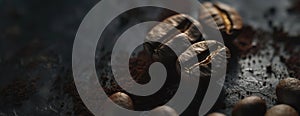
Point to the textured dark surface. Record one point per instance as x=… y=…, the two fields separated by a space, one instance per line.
x=36 y=40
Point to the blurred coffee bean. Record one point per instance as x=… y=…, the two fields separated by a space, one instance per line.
x=228 y=20
x=282 y=110
x=113 y=108
x=295 y=7
x=122 y=100
x=288 y=92
x=13 y=32
x=244 y=42
x=250 y=106
x=293 y=64
x=163 y=111
x=216 y=114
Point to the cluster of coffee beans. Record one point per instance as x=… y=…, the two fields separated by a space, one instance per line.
x=184 y=33
x=123 y=100
x=288 y=92
x=288 y=95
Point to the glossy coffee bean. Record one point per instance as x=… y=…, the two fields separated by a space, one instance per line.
x=282 y=110
x=174 y=25
x=288 y=92
x=178 y=28
x=228 y=20
x=205 y=52
x=250 y=106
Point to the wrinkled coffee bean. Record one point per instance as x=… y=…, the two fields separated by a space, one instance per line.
x=169 y=29
x=216 y=114
x=163 y=111
x=205 y=52
x=167 y=52
x=228 y=21
x=282 y=110
x=288 y=92
x=122 y=100
x=250 y=106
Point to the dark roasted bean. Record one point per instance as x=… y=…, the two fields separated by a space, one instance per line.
x=282 y=110
x=216 y=114
x=228 y=20
x=204 y=52
x=288 y=92
x=163 y=111
x=250 y=106
x=165 y=53
x=122 y=99
x=170 y=28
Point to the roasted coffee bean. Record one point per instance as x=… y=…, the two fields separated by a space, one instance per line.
x=228 y=20
x=163 y=111
x=282 y=110
x=250 y=106
x=205 y=52
x=216 y=114
x=288 y=92
x=122 y=100
x=118 y=99
x=170 y=28
x=196 y=63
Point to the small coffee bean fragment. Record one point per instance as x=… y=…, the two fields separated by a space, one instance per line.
x=250 y=106
x=288 y=92
x=122 y=100
x=244 y=41
x=216 y=114
x=163 y=111
x=282 y=110
x=228 y=20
